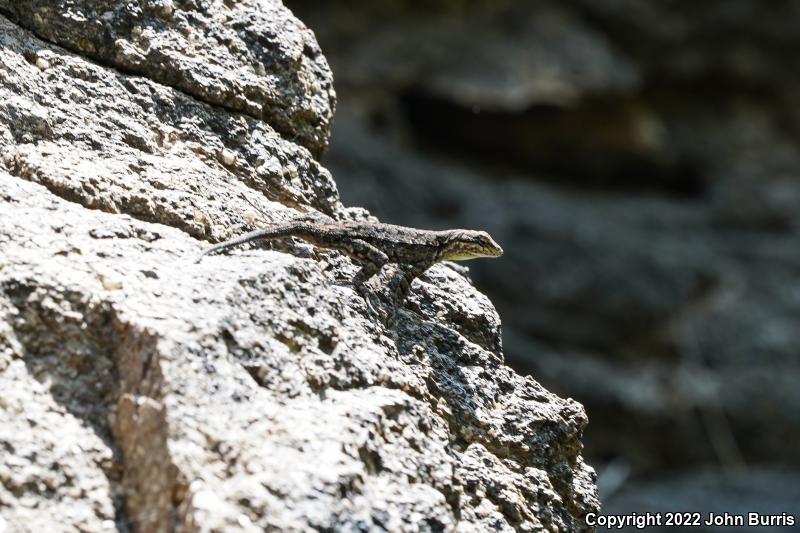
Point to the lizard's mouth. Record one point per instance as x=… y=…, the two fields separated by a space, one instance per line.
x=495 y=252
x=466 y=256
x=462 y=257
x=492 y=250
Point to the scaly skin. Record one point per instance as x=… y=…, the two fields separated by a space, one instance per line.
x=372 y=245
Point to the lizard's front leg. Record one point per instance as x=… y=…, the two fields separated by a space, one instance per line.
x=401 y=284
x=369 y=257
x=371 y=260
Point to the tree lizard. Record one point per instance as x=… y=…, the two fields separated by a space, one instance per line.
x=373 y=245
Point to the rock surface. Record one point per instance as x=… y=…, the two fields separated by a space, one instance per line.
x=248 y=56
x=145 y=392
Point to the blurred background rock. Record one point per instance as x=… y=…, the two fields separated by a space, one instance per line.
x=640 y=164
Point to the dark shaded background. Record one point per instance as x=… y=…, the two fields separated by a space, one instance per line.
x=639 y=162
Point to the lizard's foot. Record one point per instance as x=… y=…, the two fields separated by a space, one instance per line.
x=392 y=318
x=368 y=301
x=399 y=288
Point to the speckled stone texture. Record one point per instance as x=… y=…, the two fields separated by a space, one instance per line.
x=142 y=391
x=250 y=56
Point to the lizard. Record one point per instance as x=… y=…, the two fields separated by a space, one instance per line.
x=373 y=245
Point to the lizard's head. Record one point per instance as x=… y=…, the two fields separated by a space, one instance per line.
x=463 y=244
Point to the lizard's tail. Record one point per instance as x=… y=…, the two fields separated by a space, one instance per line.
x=271 y=232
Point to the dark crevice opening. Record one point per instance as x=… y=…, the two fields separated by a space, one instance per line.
x=600 y=143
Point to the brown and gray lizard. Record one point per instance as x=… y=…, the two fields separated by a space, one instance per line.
x=373 y=245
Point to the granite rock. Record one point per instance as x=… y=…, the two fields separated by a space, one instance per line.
x=250 y=56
